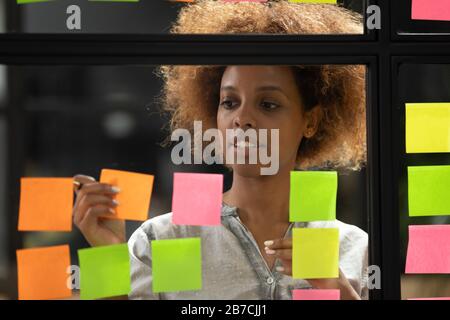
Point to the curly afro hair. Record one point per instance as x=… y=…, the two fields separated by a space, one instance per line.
x=192 y=92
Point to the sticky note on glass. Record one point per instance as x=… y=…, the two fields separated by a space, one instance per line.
x=113 y=0
x=427 y=127
x=312 y=196
x=430 y=10
x=315 y=253
x=42 y=273
x=45 y=204
x=316 y=294
x=429 y=190
x=134 y=196
x=176 y=264
x=437 y=298
x=428 y=249
x=197 y=199
x=31 y=1
x=104 y=271
x=314 y=1
x=244 y=1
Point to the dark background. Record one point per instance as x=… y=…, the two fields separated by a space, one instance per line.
x=143 y=17
x=79 y=119
x=420 y=83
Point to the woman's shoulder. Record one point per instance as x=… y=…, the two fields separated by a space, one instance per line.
x=160 y=222
x=162 y=227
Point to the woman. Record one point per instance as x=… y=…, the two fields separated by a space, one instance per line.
x=320 y=114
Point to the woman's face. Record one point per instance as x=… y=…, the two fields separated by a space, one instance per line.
x=263 y=97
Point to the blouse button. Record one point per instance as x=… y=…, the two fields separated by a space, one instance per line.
x=269 y=280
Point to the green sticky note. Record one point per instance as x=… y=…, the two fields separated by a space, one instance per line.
x=114 y=0
x=429 y=191
x=104 y=271
x=31 y=1
x=176 y=264
x=312 y=196
x=315 y=253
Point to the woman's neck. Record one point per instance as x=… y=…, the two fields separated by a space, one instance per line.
x=263 y=199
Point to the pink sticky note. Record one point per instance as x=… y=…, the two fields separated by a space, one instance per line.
x=244 y=0
x=440 y=298
x=431 y=10
x=316 y=294
x=197 y=199
x=428 y=249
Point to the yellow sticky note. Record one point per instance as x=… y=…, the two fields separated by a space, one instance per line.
x=46 y=204
x=315 y=253
x=427 y=127
x=43 y=272
x=134 y=196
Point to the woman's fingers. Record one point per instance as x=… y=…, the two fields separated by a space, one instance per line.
x=95 y=200
x=92 y=200
x=286 y=267
x=282 y=250
x=92 y=214
x=97 y=187
x=86 y=202
x=283 y=254
x=279 y=244
x=81 y=180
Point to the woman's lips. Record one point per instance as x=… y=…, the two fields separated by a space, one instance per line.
x=245 y=145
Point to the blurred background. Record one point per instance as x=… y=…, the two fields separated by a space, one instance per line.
x=63 y=120
x=66 y=120
x=57 y=121
x=143 y=17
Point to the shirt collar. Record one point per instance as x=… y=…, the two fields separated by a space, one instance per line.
x=228 y=210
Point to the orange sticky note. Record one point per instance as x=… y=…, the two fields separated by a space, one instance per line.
x=42 y=273
x=134 y=196
x=46 y=204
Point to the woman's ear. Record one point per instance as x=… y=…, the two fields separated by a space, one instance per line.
x=313 y=119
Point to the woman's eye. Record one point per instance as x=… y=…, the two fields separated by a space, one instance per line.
x=269 y=105
x=227 y=104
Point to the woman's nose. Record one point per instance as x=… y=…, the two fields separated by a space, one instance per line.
x=244 y=119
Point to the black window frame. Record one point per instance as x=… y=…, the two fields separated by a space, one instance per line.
x=401 y=9
x=380 y=50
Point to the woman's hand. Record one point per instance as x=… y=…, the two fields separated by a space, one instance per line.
x=282 y=249
x=94 y=199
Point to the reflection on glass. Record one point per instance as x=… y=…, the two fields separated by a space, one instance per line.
x=4 y=263
x=406 y=25
x=3 y=84
x=2 y=17
x=154 y=17
x=83 y=119
x=420 y=83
